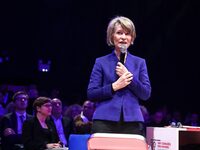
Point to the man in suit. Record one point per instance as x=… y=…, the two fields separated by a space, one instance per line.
x=64 y=125
x=11 y=123
x=83 y=121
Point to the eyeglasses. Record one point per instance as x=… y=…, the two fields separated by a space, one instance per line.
x=21 y=99
x=47 y=105
x=57 y=104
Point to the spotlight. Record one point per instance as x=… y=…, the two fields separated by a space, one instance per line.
x=44 y=67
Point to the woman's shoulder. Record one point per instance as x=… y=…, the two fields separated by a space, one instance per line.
x=105 y=57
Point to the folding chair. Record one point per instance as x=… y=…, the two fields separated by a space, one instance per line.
x=78 y=141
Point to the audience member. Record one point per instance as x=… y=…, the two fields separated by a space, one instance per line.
x=83 y=121
x=39 y=132
x=73 y=110
x=166 y=113
x=63 y=124
x=3 y=110
x=11 y=123
x=192 y=119
x=10 y=106
x=176 y=117
x=157 y=120
x=33 y=94
x=145 y=114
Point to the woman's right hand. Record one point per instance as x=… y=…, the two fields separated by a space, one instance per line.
x=123 y=81
x=53 y=145
x=8 y=131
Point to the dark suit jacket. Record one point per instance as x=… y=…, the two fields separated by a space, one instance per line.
x=68 y=126
x=34 y=137
x=10 y=121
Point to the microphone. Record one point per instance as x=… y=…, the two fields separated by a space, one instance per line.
x=179 y=125
x=176 y=125
x=123 y=50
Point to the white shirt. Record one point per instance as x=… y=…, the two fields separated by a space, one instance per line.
x=85 y=119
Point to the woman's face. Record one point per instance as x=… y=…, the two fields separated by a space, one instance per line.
x=121 y=37
x=45 y=109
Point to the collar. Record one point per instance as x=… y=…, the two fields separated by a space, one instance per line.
x=59 y=118
x=18 y=114
x=84 y=118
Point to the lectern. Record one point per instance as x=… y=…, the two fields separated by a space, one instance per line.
x=169 y=138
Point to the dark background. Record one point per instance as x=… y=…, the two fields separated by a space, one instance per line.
x=72 y=34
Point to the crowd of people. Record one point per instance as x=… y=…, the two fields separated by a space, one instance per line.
x=41 y=122
x=47 y=123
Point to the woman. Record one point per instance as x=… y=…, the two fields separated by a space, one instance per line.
x=39 y=133
x=118 y=86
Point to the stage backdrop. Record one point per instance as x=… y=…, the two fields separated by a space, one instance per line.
x=71 y=34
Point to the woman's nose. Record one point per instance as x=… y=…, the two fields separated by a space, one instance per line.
x=123 y=36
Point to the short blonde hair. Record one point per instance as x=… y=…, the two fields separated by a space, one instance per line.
x=126 y=24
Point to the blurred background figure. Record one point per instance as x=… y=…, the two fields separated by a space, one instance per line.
x=9 y=104
x=83 y=121
x=11 y=123
x=33 y=93
x=176 y=117
x=145 y=114
x=63 y=124
x=73 y=110
x=157 y=120
x=192 y=119
x=3 y=110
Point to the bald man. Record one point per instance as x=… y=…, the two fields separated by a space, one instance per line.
x=64 y=125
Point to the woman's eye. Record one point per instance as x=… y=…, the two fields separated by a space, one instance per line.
x=119 y=33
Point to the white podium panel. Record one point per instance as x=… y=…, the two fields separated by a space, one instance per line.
x=111 y=141
x=167 y=138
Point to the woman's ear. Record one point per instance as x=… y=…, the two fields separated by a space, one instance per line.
x=38 y=108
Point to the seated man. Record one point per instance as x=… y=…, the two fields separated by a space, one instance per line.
x=83 y=121
x=64 y=125
x=11 y=123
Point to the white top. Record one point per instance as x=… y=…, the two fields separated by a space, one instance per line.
x=114 y=135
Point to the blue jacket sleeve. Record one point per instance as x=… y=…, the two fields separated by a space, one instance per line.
x=96 y=90
x=141 y=86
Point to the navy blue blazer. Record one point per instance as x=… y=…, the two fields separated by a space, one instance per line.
x=10 y=121
x=110 y=104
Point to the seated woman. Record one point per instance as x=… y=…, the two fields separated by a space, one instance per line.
x=39 y=133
